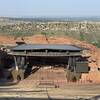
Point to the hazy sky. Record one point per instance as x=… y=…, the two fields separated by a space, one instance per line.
x=52 y=8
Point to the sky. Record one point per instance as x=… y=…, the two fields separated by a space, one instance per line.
x=49 y=8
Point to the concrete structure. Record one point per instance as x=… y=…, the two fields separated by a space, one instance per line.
x=68 y=56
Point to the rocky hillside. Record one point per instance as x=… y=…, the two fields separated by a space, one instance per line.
x=81 y=30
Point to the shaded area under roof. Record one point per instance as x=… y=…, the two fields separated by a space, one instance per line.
x=46 y=47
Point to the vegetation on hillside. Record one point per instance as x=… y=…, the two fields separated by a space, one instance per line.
x=83 y=30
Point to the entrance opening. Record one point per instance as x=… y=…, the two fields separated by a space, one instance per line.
x=47 y=71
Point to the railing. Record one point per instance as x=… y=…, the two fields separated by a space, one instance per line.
x=45 y=53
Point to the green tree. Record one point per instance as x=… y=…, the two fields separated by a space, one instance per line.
x=45 y=34
x=82 y=37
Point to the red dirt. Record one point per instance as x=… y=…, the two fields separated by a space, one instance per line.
x=7 y=40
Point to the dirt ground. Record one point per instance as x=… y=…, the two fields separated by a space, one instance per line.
x=31 y=89
x=70 y=91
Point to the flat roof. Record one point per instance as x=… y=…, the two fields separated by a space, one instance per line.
x=26 y=47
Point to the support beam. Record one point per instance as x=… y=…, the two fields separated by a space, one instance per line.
x=71 y=73
x=16 y=66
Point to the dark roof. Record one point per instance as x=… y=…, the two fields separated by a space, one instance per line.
x=46 y=46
